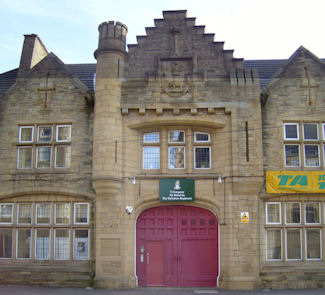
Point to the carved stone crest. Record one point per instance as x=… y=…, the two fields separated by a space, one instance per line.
x=176 y=88
x=176 y=77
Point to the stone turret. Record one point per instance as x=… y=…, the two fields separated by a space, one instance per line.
x=110 y=57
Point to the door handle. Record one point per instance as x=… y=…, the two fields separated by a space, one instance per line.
x=147 y=257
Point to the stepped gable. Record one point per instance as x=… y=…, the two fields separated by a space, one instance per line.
x=175 y=37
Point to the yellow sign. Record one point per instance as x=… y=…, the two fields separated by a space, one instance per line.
x=244 y=217
x=295 y=182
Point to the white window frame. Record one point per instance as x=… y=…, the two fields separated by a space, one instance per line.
x=12 y=213
x=266 y=212
x=151 y=141
x=319 y=213
x=35 y=244
x=285 y=155
x=69 y=243
x=284 y=131
x=306 y=157
x=55 y=213
x=30 y=243
x=38 y=133
x=177 y=146
x=176 y=142
x=323 y=130
x=205 y=133
x=31 y=212
x=266 y=244
x=286 y=244
x=25 y=141
x=57 y=133
x=31 y=161
x=286 y=207
x=147 y=146
x=74 y=245
x=12 y=243
x=74 y=213
x=320 y=245
x=303 y=130
x=55 y=152
x=206 y=147
x=41 y=146
x=36 y=210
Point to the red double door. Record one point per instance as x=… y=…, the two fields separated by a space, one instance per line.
x=177 y=246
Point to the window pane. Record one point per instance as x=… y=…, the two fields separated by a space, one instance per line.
x=62 y=213
x=26 y=134
x=63 y=133
x=293 y=213
x=202 y=137
x=80 y=249
x=310 y=131
x=273 y=213
x=151 y=137
x=273 y=244
x=62 y=244
x=176 y=136
x=23 y=243
x=312 y=212
x=202 y=157
x=5 y=243
x=176 y=157
x=313 y=244
x=293 y=244
x=42 y=241
x=25 y=157
x=312 y=155
x=151 y=157
x=24 y=214
x=44 y=134
x=291 y=131
x=6 y=212
x=44 y=157
x=292 y=157
x=81 y=213
x=62 y=156
x=43 y=213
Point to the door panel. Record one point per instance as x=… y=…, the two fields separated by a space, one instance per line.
x=155 y=262
x=182 y=244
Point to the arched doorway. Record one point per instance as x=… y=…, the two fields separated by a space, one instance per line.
x=177 y=246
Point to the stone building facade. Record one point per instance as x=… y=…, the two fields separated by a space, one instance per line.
x=158 y=165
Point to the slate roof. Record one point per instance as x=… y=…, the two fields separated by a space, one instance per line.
x=85 y=72
x=266 y=68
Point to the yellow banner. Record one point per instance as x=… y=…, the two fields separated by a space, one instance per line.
x=295 y=182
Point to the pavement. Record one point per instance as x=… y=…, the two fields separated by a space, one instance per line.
x=34 y=290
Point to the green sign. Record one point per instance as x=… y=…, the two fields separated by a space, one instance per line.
x=176 y=189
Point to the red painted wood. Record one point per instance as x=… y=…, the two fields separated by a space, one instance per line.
x=184 y=243
x=155 y=263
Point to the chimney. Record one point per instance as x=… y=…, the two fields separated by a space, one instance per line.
x=32 y=53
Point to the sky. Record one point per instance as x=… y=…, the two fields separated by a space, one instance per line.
x=255 y=29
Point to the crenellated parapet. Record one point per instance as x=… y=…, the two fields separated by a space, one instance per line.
x=112 y=37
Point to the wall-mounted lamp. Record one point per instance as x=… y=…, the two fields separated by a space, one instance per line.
x=133 y=180
x=219 y=178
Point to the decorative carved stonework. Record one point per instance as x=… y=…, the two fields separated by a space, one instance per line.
x=176 y=88
x=176 y=76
